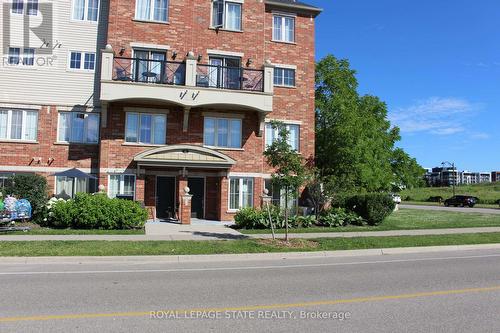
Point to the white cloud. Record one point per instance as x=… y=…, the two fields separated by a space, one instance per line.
x=436 y=115
x=480 y=136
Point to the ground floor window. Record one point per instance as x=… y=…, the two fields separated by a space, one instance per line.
x=240 y=193
x=67 y=187
x=121 y=186
x=278 y=195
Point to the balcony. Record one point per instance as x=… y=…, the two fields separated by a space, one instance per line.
x=187 y=83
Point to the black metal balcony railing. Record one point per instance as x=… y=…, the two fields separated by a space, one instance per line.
x=234 y=78
x=149 y=71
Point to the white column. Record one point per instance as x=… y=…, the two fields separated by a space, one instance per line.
x=107 y=56
x=191 y=64
x=268 y=77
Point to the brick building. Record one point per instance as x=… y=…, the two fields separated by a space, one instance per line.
x=183 y=92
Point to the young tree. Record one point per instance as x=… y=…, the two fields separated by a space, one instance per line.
x=289 y=170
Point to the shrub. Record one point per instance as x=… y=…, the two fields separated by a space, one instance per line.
x=251 y=218
x=95 y=211
x=338 y=217
x=373 y=207
x=33 y=188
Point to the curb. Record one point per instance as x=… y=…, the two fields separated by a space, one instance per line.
x=243 y=257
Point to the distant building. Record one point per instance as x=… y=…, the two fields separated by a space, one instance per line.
x=448 y=176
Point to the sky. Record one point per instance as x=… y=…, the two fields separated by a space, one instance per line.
x=436 y=63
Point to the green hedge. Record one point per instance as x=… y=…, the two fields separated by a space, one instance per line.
x=96 y=211
x=372 y=207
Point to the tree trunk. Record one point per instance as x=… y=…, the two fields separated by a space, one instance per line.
x=271 y=221
x=286 y=214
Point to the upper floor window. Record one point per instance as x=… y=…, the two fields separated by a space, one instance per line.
x=284 y=28
x=152 y=10
x=284 y=77
x=85 y=10
x=146 y=128
x=293 y=135
x=25 y=58
x=222 y=132
x=78 y=127
x=17 y=6
x=82 y=60
x=18 y=125
x=31 y=7
x=226 y=15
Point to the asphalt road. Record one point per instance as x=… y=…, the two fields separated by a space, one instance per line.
x=432 y=292
x=454 y=209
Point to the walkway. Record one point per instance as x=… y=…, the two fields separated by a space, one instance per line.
x=453 y=209
x=179 y=232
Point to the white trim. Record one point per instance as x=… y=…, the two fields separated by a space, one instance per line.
x=249 y=175
x=18 y=168
x=27 y=107
x=159 y=47
x=285 y=66
x=285 y=121
x=145 y=110
x=225 y=53
x=282 y=13
x=78 y=108
x=223 y=115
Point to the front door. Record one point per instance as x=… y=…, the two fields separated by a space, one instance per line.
x=197 y=190
x=165 y=197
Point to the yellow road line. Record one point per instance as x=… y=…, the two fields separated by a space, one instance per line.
x=256 y=307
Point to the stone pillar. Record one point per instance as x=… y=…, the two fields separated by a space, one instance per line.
x=268 y=77
x=191 y=64
x=265 y=198
x=184 y=201
x=107 y=56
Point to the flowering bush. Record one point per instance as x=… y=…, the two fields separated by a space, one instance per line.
x=10 y=203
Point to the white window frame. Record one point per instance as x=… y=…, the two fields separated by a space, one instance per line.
x=282 y=38
x=82 y=61
x=21 y=57
x=152 y=12
x=122 y=184
x=216 y=143
x=139 y=114
x=85 y=12
x=23 y=124
x=22 y=8
x=85 y=127
x=240 y=193
x=276 y=133
x=224 y=16
x=282 y=84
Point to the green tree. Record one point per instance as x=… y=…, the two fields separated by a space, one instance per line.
x=290 y=172
x=407 y=172
x=355 y=141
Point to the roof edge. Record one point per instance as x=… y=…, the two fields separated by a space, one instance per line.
x=315 y=10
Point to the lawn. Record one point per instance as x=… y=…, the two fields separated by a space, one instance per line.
x=128 y=248
x=487 y=193
x=47 y=231
x=410 y=219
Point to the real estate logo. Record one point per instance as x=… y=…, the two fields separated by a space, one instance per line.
x=28 y=26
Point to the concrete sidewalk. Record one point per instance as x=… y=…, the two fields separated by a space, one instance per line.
x=224 y=233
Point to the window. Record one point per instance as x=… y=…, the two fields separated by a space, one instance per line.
x=18 y=125
x=226 y=14
x=149 y=65
x=121 y=186
x=82 y=61
x=85 y=10
x=240 y=193
x=6 y=178
x=293 y=135
x=17 y=6
x=32 y=8
x=224 y=72
x=222 y=132
x=14 y=55
x=78 y=127
x=284 y=28
x=66 y=187
x=284 y=77
x=146 y=128
x=278 y=196
x=152 y=10
x=27 y=58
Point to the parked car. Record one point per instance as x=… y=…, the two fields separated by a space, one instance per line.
x=396 y=198
x=461 y=200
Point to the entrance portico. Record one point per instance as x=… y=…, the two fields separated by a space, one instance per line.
x=184 y=181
